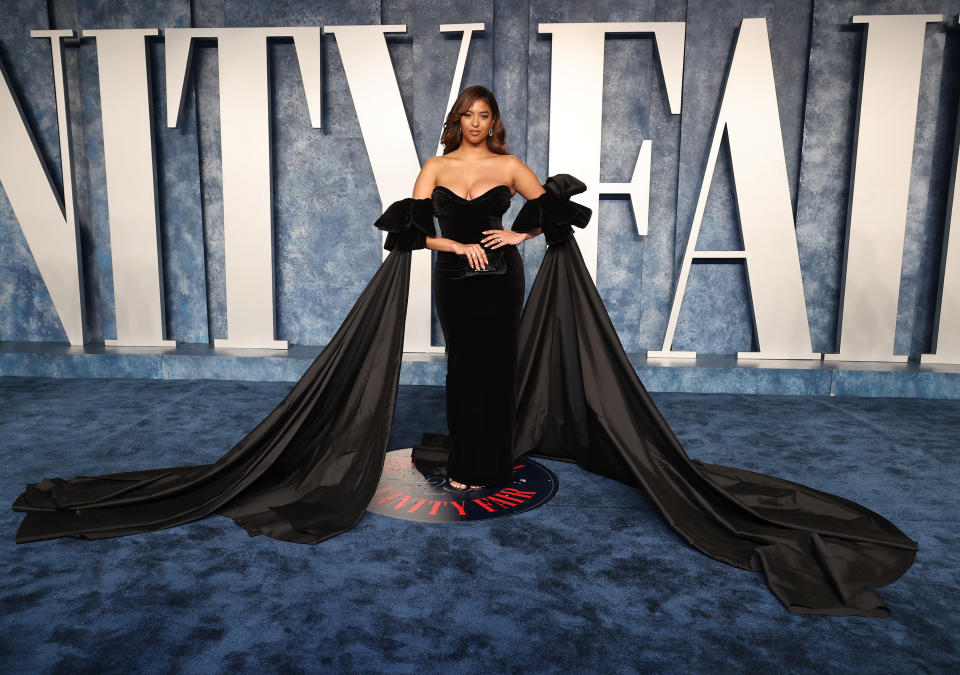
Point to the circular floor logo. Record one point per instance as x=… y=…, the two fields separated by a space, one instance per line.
x=407 y=494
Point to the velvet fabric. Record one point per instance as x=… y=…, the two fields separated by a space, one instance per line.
x=553 y=212
x=407 y=222
x=480 y=318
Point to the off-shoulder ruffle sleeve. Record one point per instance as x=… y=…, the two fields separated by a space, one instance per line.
x=553 y=212
x=408 y=223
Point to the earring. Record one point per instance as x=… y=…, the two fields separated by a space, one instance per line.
x=490 y=133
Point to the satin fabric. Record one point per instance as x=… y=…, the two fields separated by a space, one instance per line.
x=308 y=470
x=579 y=399
x=304 y=474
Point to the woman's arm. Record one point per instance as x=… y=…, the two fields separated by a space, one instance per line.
x=423 y=189
x=526 y=183
x=427 y=179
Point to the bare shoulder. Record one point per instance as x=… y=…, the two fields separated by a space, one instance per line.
x=511 y=161
x=514 y=166
x=525 y=181
x=433 y=164
x=427 y=179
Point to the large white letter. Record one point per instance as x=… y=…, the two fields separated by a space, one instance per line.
x=131 y=185
x=467 y=29
x=389 y=142
x=751 y=117
x=245 y=150
x=576 y=99
x=946 y=336
x=889 y=90
x=49 y=227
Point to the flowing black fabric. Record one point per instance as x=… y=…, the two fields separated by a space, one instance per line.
x=480 y=318
x=307 y=472
x=579 y=399
x=304 y=474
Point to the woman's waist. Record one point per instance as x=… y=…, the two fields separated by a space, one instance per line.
x=467 y=233
x=450 y=260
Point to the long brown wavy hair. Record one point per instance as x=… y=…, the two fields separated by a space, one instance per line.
x=497 y=143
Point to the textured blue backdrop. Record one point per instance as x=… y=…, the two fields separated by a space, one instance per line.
x=325 y=198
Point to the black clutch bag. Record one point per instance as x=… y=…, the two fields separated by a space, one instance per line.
x=496 y=265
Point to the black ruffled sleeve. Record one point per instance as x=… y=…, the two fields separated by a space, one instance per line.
x=553 y=212
x=407 y=223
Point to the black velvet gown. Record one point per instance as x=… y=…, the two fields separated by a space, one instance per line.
x=480 y=317
x=307 y=472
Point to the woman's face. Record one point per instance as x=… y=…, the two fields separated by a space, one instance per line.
x=475 y=123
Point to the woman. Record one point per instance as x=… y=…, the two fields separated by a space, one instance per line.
x=308 y=471
x=471 y=185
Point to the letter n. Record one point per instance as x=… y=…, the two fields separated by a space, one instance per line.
x=48 y=225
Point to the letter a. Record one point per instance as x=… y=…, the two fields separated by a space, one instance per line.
x=750 y=116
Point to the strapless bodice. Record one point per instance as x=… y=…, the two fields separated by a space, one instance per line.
x=464 y=220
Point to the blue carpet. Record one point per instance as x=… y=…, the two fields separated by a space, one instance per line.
x=593 y=581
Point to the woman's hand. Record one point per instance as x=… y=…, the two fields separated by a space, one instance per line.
x=476 y=255
x=498 y=238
